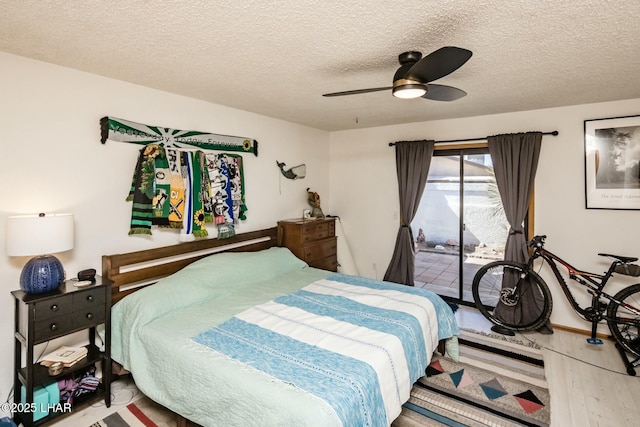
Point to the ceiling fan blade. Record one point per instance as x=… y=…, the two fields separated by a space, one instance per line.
x=443 y=93
x=438 y=64
x=357 y=91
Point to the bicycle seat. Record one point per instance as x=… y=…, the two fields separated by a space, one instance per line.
x=625 y=259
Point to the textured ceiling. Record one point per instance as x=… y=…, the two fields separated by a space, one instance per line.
x=278 y=57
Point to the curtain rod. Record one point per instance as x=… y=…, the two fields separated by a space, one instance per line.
x=554 y=133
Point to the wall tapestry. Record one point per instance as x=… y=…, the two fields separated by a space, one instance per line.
x=126 y=131
x=185 y=190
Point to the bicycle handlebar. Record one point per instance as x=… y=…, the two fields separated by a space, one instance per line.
x=538 y=241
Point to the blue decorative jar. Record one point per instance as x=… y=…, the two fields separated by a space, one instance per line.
x=42 y=274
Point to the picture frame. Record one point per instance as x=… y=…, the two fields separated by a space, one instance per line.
x=612 y=163
x=306 y=214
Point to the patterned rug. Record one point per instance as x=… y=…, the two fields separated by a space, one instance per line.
x=514 y=341
x=495 y=382
x=141 y=413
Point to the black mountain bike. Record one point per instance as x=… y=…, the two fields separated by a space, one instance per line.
x=513 y=296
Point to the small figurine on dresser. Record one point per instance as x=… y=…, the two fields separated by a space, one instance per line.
x=314 y=201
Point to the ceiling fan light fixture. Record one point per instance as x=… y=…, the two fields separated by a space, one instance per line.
x=407 y=89
x=415 y=77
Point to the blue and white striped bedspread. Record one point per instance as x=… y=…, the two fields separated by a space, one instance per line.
x=356 y=343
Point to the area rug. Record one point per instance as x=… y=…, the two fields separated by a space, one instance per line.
x=495 y=383
x=141 y=413
x=494 y=337
x=505 y=355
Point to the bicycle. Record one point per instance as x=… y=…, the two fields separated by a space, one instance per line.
x=513 y=296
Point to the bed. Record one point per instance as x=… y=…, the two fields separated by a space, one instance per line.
x=254 y=336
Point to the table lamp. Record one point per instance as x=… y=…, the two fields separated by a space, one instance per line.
x=41 y=235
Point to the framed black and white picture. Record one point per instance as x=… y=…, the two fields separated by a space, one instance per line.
x=612 y=163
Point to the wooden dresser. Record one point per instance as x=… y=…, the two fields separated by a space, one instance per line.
x=312 y=240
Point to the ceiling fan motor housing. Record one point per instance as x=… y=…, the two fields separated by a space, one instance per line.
x=407 y=60
x=409 y=57
x=402 y=86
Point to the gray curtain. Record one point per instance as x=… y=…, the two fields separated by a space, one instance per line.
x=412 y=166
x=515 y=160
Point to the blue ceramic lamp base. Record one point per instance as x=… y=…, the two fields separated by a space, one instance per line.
x=42 y=274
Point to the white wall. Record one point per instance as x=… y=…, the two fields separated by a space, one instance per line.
x=52 y=161
x=364 y=189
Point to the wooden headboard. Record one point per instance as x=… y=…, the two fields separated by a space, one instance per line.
x=133 y=270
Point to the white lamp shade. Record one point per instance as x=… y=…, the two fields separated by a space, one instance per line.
x=39 y=234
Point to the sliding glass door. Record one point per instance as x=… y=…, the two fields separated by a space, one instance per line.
x=460 y=224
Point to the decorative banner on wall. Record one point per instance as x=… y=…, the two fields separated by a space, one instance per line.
x=185 y=190
x=126 y=131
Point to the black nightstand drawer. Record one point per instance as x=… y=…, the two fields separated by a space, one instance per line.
x=52 y=308
x=52 y=327
x=87 y=318
x=91 y=298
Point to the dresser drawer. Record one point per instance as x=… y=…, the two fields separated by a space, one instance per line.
x=52 y=327
x=321 y=249
x=52 y=308
x=89 y=298
x=90 y=316
x=329 y=263
x=317 y=231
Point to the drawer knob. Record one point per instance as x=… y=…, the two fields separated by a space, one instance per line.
x=54 y=307
x=89 y=316
x=53 y=326
x=90 y=298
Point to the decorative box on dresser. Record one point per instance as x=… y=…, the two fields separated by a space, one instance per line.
x=43 y=317
x=312 y=240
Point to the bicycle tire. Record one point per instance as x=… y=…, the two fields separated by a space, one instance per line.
x=626 y=333
x=486 y=288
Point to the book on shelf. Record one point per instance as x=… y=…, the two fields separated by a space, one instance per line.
x=67 y=355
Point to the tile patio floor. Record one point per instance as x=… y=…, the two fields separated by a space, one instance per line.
x=439 y=271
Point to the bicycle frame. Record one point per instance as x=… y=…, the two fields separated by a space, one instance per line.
x=594 y=283
x=621 y=311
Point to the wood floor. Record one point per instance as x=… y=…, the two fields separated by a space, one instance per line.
x=589 y=385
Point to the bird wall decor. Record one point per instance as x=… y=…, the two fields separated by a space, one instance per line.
x=296 y=172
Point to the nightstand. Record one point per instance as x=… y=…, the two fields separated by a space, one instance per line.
x=43 y=317
x=312 y=240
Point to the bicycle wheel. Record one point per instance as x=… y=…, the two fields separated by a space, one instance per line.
x=624 y=318
x=526 y=308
